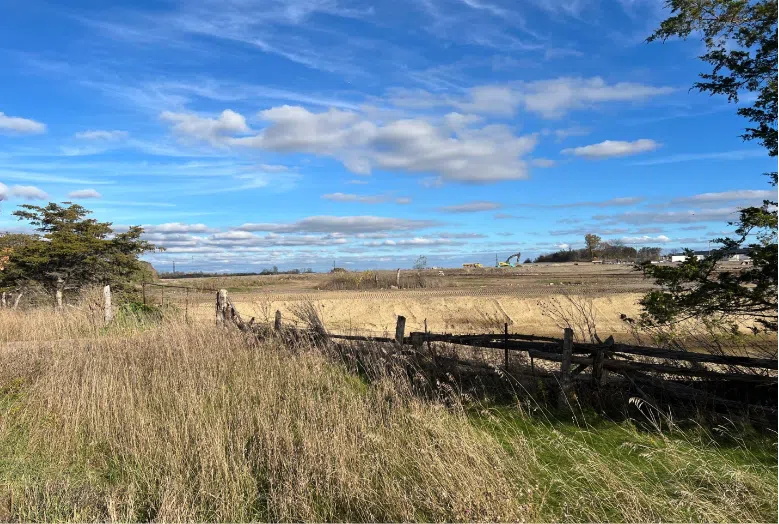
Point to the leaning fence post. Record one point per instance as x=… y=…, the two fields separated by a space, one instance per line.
x=221 y=306
x=277 y=321
x=506 y=346
x=108 y=313
x=565 y=365
x=400 y=328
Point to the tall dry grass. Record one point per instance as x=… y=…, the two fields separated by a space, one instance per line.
x=192 y=422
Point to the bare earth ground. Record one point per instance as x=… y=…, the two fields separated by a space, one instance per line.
x=460 y=301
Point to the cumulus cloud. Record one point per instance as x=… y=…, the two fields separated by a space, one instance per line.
x=470 y=154
x=15 y=124
x=211 y=130
x=84 y=193
x=613 y=148
x=471 y=207
x=335 y=224
x=102 y=134
x=24 y=192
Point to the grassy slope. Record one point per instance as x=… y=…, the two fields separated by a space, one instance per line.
x=187 y=423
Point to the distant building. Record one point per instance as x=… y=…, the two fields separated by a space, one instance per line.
x=681 y=257
x=737 y=255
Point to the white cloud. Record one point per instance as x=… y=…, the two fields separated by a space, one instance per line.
x=470 y=154
x=471 y=207
x=550 y=99
x=211 y=130
x=728 y=196
x=335 y=224
x=15 y=124
x=176 y=227
x=348 y=197
x=101 y=134
x=416 y=241
x=554 y=98
x=84 y=193
x=612 y=202
x=645 y=239
x=670 y=217
x=24 y=192
x=364 y=199
x=613 y=148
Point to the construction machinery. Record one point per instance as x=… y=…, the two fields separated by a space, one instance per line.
x=508 y=263
x=473 y=264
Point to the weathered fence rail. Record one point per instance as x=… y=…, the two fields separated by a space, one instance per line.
x=654 y=365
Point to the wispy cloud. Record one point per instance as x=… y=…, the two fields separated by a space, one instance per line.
x=742 y=154
x=84 y=194
x=471 y=207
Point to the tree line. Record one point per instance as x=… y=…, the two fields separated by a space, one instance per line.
x=604 y=250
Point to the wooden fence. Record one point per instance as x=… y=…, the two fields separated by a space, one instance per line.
x=573 y=357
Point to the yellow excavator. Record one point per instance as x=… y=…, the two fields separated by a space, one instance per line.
x=508 y=263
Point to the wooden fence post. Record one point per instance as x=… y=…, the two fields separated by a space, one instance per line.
x=221 y=306
x=417 y=339
x=108 y=314
x=277 y=321
x=400 y=328
x=597 y=363
x=506 y=346
x=397 y=279
x=5 y=304
x=143 y=288
x=565 y=365
x=597 y=367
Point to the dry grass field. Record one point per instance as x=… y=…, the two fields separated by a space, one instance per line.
x=460 y=301
x=156 y=418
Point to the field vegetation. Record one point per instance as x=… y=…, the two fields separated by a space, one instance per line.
x=155 y=418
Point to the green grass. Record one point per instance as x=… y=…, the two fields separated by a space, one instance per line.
x=663 y=463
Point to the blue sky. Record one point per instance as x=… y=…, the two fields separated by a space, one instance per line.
x=244 y=134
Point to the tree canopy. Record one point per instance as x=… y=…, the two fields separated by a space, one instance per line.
x=741 y=46
x=70 y=250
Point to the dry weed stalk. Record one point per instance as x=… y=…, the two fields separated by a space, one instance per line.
x=574 y=312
